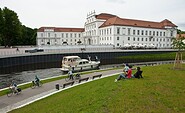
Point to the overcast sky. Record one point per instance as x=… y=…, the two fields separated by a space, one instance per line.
x=72 y=13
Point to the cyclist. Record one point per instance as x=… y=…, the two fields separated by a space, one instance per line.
x=14 y=87
x=70 y=73
x=37 y=80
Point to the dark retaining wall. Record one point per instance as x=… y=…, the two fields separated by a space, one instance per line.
x=41 y=61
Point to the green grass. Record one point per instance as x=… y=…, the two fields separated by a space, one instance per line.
x=161 y=91
x=150 y=57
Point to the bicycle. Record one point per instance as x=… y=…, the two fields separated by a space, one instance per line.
x=34 y=84
x=12 y=91
x=73 y=77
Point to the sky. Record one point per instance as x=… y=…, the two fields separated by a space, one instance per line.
x=73 y=13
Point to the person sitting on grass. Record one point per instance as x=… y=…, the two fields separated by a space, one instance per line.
x=126 y=75
x=138 y=73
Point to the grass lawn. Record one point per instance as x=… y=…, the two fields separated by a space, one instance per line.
x=161 y=91
x=154 y=57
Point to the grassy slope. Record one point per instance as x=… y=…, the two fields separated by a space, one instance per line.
x=149 y=57
x=161 y=90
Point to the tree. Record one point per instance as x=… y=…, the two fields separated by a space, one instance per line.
x=11 y=28
x=28 y=36
x=180 y=32
x=179 y=45
x=1 y=26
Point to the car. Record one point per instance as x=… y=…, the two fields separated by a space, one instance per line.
x=34 y=50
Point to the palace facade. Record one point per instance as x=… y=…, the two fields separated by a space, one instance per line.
x=108 y=29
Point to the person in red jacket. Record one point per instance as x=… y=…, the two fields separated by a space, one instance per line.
x=126 y=75
x=129 y=73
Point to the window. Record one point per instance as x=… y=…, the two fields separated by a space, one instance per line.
x=160 y=33
x=146 y=32
x=48 y=34
x=150 y=39
x=150 y=33
x=142 y=32
x=153 y=33
x=146 y=39
x=79 y=35
x=171 y=33
x=138 y=32
x=134 y=39
x=128 y=31
x=117 y=44
x=75 y=34
x=71 y=35
x=138 y=39
x=128 y=38
x=117 y=38
x=157 y=33
x=141 y=39
x=41 y=35
x=134 y=32
x=62 y=35
x=118 y=30
x=164 y=34
x=66 y=35
x=110 y=30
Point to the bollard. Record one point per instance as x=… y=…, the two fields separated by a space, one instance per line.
x=57 y=86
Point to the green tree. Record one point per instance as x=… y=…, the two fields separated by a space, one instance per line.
x=12 y=27
x=180 y=46
x=1 y=26
x=28 y=36
x=180 y=32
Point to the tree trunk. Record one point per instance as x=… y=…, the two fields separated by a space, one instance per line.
x=178 y=61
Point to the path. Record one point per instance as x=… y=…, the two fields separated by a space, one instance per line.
x=28 y=95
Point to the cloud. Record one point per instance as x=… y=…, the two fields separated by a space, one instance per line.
x=181 y=26
x=117 y=1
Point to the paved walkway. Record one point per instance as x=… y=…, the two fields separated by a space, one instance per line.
x=30 y=95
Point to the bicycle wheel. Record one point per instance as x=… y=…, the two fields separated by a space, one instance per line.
x=77 y=76
x=9 y=93
x=33 y=85
x=67 y=79
x=40 y=84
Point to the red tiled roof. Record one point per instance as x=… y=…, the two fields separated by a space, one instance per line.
x=166 y=22
x=58 y=29
x=181 y=35
x=137 y=23
x=104 y=16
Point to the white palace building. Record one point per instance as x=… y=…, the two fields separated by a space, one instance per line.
x=108 y=29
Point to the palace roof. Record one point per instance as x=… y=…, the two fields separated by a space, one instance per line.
x=115 y=20
x=59 y=29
